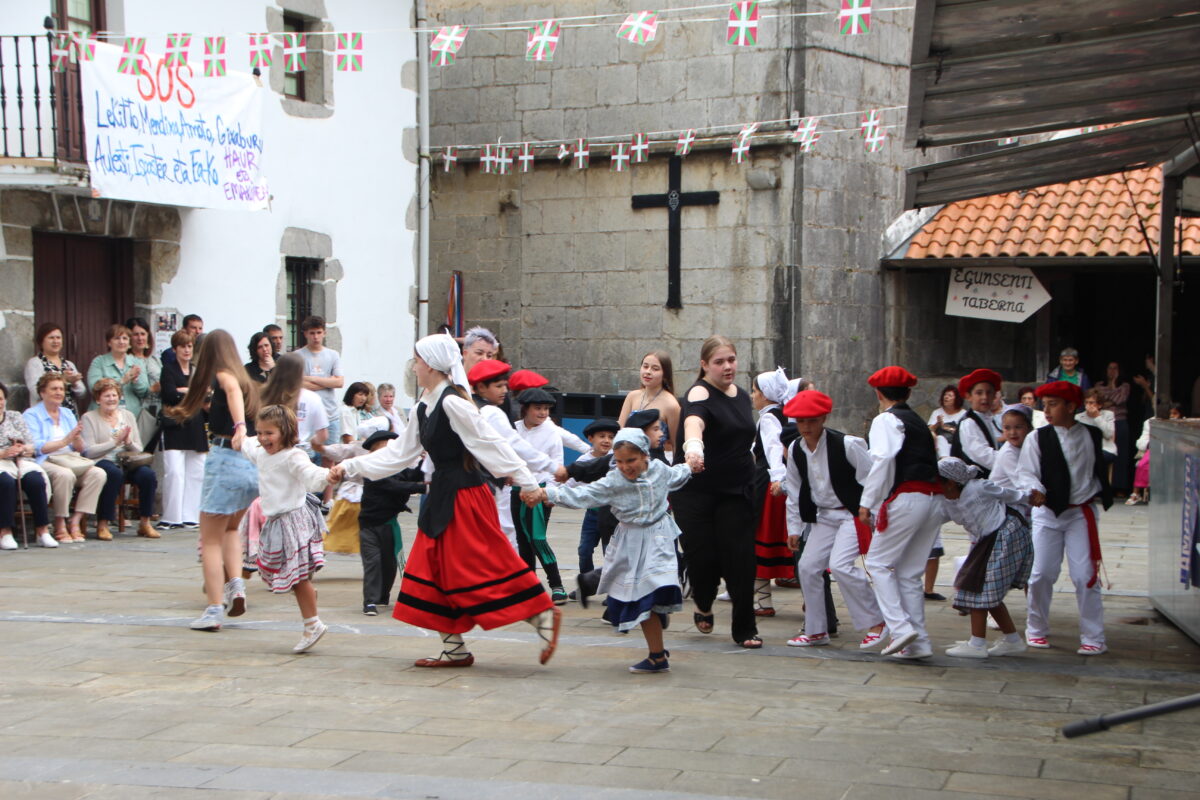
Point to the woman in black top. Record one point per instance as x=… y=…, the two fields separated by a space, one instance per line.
x=714 y=509
x=262 y=357
x=230 y=479
x=184 y=443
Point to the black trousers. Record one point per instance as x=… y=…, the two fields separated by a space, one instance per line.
x=718 y=541
x=377 y=549
x=142 y=477
x=34 y=486
x=530 y=552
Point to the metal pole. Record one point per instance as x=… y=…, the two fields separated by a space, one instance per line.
x=1166 y=296
x=424 y=175
x=1086 y=726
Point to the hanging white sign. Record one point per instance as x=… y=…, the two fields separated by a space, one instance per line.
x=165 y=133
x=1007 y=294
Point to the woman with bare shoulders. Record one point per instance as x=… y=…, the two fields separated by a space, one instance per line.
x=657 y=383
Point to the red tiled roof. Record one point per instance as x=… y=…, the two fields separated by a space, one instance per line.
x=1083 y=218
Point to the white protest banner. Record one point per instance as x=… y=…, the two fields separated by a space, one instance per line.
x=1007 y=294
x=170 y=135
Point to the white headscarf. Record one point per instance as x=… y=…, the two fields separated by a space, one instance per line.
x=441 y=352
x=956 y=469
x=794 y=386
x=773 y=385
x=633 y=436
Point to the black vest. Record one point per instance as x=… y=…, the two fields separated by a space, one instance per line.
x=841 y=474
x=956 y=448
x=917 y=459
x=1057 y=478
x=448 y=453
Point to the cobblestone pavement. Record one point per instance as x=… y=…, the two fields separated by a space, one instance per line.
x=107 y=694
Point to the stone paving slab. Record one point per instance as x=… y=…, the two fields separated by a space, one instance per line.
x=107 y=694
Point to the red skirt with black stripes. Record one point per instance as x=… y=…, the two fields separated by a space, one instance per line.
x=772 y=557
x=470 y=575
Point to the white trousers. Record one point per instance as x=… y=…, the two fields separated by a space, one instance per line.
x=896 y=562
x=833 y=544
x=1052 y=537
x=183 y=478
x=503 y=497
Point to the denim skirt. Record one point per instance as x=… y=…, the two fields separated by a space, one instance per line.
x=230 y=482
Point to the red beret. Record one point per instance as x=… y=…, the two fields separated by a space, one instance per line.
x=888 y=377
x=524 y=379
x=808 y=404
x=1064 y=389
x=968 y=382
x=487 y=370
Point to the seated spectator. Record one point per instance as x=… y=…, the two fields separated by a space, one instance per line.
x=19 y=472
x=275 y=334
x=1028 y=398
x=58 y=448
x=50 y=345
x=262 y=357
x=126 y=369
x=110 y=435
x=1096 y=416
x=184 y=444
x=1068 y=370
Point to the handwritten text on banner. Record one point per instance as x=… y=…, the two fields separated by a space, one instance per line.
x=171 y=135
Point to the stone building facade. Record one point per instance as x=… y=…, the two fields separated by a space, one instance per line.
x=573 y=279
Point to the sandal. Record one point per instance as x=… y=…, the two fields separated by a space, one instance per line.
x=63 y=536
x=548 y=633
x=76 y=532
x=753 y=643
x=703 y=622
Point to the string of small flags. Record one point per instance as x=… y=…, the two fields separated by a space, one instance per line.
x=626 y=150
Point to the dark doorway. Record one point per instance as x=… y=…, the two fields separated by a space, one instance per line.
x=84 y=284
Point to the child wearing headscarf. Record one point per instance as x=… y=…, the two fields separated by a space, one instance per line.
x=773 y=560
x=641 y=574
x=1000 y=559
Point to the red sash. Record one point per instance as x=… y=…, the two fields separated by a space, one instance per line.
x=1089 y=515
x=864 y=536
x=908 y=487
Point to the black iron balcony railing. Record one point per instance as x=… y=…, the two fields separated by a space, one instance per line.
x=41 y=110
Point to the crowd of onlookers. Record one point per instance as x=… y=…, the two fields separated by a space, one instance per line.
x=87 y=436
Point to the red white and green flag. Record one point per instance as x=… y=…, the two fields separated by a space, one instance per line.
x=618 y=160
x=214 y=56
x=686 y=140
x=449 y=159
x=543 y=41
x=487 y=160
x=564 y=152
x=503 y=160
x=295 y=52
x=875 y=139
x=639 y=27
x=870 y=123
x=806 y=134
x=260 y=50
x=131 y=56
x=446 y=44
x=743 y=24
x=640 y=149
x=60 y=52
x=582 y=154
x=85 y=49
x=525 y=158
x=177 y=49
x=349 y=52
x=741 y=145
x=855 y=17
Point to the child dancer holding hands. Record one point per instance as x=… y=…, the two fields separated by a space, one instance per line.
x=289 y=544
x=1000 y=558
x=641 y=575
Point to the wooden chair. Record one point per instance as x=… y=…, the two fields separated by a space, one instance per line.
x=127 y=505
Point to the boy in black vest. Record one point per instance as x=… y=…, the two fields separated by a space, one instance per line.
x=825 y=469
x=1061 y=464
x=900 y=493
x=975 y=440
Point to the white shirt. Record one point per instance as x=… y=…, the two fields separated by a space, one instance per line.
x=1107 y=423
x=487 y=446
x=310 y=417
x=980 y=508
x=1005 y=473
x=769 y=431
x=820 y=486
x=283 y=477
x=546 y=439
x=974 y=442
x=536 y=460
x=396 y=418
x=941 y=442
x=886 y=437
x=1039 y=419
x=1077 y=447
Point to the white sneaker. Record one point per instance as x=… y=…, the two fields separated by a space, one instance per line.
x=898 y=643
x=801 y=640
x=210 y=620
x=872 y=640
x=7 y=542
x=310 y=637
x=967 y=650
x=913 y=652
x=1006 y=648
x=724 y=597
x=235 y=597
x=46 y=540
x=1092 y=649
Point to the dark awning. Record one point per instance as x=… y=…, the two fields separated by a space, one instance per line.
x=988 y=69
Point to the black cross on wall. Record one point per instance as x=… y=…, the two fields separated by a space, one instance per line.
x=673 y=201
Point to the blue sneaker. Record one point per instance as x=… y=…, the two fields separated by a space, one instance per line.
x=655 y=662
x=210 y=620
